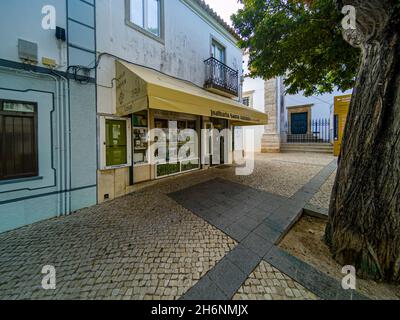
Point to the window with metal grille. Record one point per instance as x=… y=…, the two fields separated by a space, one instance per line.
x=18 y=140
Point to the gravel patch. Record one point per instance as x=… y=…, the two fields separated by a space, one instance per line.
x=305 y=241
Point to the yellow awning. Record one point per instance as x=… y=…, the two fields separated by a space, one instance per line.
x=140 y=88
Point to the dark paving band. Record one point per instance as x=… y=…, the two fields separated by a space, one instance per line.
x=258 y=221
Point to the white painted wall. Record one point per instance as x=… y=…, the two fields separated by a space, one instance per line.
x=322 y=109
x=256 y=85
x=323 y=104
x=187 y=45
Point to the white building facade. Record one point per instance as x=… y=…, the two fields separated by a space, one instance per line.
x=269 y=96
x=154 y=66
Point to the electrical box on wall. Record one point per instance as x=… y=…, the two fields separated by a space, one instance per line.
x=49 y=62
x=28 y=51
x=60 y=34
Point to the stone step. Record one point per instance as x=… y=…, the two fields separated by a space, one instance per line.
x=307 y=144
x=306 y=151
x=307 y=147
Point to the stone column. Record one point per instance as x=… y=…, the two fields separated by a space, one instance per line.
x=271 y=140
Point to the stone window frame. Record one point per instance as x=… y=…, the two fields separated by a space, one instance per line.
x=307 y=108
x=250 y=95
x=129 y=23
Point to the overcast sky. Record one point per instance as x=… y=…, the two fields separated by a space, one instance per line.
x=225 y=8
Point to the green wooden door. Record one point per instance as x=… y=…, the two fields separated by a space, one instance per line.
x=116 y=143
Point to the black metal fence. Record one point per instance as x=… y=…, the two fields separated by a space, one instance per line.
x=222 y=77
x=320 y=132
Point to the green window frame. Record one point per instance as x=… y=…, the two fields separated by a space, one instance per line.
x=116 y=143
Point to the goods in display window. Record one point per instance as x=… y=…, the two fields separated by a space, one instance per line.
x=140 y=138
x=175 y=159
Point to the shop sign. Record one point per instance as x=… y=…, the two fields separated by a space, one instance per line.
x=222 y=114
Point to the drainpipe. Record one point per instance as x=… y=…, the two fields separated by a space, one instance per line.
x=62 y=175
x=63 y=144
x=66 y=138
x=60 y=147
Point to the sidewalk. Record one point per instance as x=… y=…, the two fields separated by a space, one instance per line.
x=175 y=239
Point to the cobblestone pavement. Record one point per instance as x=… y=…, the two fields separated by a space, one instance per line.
x=257 y=220
x=142 y=246
x=281 y=174
x=268 y=283
x=126 y=249
x=323 y=196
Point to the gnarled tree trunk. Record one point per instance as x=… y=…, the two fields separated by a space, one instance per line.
x=364 y=219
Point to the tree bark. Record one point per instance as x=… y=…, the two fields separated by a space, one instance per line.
x=364 y=218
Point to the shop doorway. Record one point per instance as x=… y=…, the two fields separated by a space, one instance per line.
x=221 y=140
x=209 y=128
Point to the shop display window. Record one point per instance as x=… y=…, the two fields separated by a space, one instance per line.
x=170 y=165
x=140 y=138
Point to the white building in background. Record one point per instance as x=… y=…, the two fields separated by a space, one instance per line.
x=253 y=96
x=283 y=110
x=322 y=105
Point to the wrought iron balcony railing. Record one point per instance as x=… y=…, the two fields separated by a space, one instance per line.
x=221 y=77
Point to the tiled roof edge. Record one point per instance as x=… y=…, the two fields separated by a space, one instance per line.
x=215 y=15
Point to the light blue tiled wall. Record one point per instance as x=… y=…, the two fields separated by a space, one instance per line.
x=67 y=172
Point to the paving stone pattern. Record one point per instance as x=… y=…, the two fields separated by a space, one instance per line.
x=316 y=281
x=127 y=249
x=149 y=246
x=253 y=218
x=268 y=283
x=257 y=220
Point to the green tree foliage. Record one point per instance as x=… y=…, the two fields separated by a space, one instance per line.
x=300 y=40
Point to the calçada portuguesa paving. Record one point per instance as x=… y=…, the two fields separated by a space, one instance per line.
x=205 y=235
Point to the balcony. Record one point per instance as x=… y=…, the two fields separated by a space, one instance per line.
x=221 y=79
